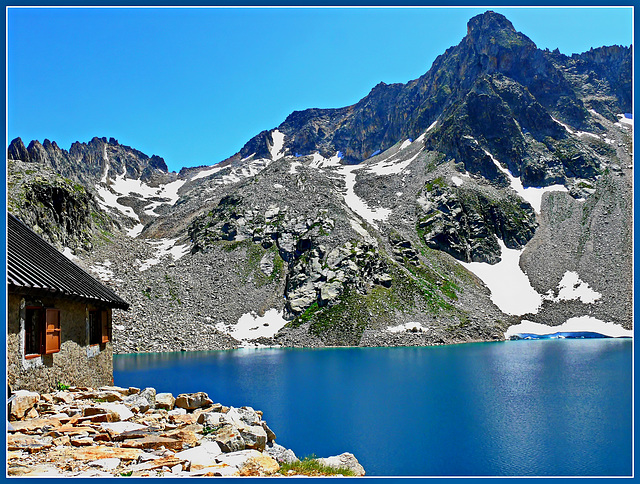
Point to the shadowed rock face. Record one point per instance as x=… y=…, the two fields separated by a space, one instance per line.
x=467 y=223
x=88 y=161
x=492 y=47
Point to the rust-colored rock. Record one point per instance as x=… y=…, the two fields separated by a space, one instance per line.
x=153 y=442
x=187 y=419
x=26 y=443
x=168 y=461
x=35 y=424
x=102 y=452
x=186 y=435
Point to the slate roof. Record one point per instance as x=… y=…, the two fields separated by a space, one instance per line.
x=34 y=266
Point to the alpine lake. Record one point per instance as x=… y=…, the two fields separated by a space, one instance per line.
x=551 y=407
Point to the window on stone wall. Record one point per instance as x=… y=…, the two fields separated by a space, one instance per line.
x=98 y=327
x=95 y=327
x=42 y=331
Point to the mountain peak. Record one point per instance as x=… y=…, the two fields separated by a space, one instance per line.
x=491 y=31
x=489 y=21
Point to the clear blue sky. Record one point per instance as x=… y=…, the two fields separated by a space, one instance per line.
x=193 y=85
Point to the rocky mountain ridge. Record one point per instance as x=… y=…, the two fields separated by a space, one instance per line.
x=374 y=224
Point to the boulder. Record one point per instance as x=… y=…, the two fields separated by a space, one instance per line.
x=187 y=435
x=137 y=403
x=266 y=263
x=109 y=396
x=203 y=455
x=28 y=443
x=254 y=437
x=120 y=390
x=102 y=452
x=39 y=425
x=237 y=458
x=261 y=465
x=150 y=394
x=191 y=401
x=211 y=419
x=346 y=460
x=331 y=291
x=23 y=402
x=271 y=436
x=228 y=438
x=120 y=411
x=280 y=453
x=109 y=463
x=165 y=400
x=63 y=397
x=117 y=428
x=153 y=442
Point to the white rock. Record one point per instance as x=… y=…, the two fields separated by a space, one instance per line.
x=23 y=401
x=119 y=409
x=117 y=428
x=165 y=400
x=177 y=411
x=238 y=458
x=107 y=464
x=203 y=455
x=344 y=460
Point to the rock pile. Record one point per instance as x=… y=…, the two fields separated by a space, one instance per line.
x=114 y=431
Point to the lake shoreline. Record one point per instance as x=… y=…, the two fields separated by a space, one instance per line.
x=282 y=347
x=114 y=431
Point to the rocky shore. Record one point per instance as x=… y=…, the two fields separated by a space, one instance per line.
x=114 y=431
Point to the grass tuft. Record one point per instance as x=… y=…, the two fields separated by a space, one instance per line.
x=311 y=466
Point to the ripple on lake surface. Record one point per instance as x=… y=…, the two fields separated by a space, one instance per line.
x=545 y=407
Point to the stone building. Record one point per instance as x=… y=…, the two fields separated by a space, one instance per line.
x=59 y=317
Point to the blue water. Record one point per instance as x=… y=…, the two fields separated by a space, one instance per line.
x=516 y=408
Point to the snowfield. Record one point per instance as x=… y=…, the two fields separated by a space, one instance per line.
x=573 y=325
x=510 y=288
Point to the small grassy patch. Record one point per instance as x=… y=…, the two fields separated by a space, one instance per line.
x=206 y=430
x=311 y=466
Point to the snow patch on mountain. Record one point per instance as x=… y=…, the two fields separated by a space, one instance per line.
x=357 y=204
x=135 y=230
x=565 y=126
x=407 y=327
x=533 y=195
x=277 y=150
x=623 y=119
x=251 y=326
x=510 y=288
x=355 y=225
x=320 y=161
x=390 y=167
x=102 y=270
x=571 y=288
x=121 y=186
x=164 y=248
x=110 y=201
x=208 y=172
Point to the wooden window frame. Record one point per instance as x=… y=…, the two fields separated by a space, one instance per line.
x=101 y=318
x=48 y=332
x=104 y=323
